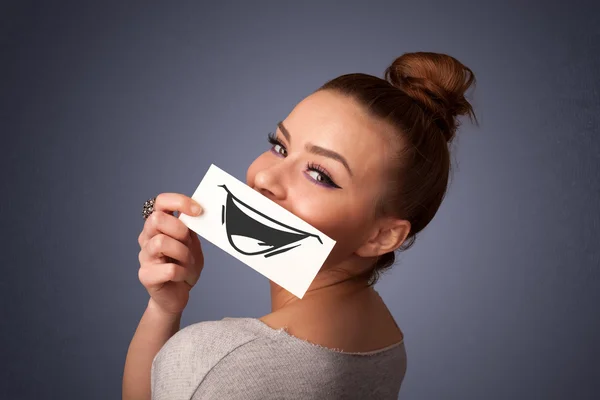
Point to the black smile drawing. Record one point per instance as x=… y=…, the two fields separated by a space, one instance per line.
x=251 y=228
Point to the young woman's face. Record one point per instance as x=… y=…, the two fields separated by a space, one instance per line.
x=327 y=164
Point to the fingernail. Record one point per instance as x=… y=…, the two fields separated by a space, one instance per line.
x=196 y=209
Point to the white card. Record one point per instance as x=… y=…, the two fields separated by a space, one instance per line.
x=258 y=231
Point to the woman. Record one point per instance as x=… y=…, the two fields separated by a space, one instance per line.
x=365 y=160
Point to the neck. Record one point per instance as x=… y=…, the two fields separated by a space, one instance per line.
x=327 y=285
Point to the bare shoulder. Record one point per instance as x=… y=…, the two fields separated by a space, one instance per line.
x=363 y=327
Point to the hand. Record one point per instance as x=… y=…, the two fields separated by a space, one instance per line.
x=171 y=258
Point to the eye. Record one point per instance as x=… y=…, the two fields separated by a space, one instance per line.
x=278 y=147
x=320 y=176
x=317 y=176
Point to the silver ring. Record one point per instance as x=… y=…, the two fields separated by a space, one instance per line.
x=148 y=207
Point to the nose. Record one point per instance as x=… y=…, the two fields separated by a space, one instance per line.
x=269 y=183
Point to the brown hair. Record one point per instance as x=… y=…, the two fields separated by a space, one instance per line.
x=421 y=96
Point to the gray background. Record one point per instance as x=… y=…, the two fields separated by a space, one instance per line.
x=104 y=105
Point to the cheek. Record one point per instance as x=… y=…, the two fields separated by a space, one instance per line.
x=342 y=222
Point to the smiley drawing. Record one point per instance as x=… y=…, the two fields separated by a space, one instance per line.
x=253 y=233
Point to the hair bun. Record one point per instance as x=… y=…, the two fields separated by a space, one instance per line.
x=438 y=82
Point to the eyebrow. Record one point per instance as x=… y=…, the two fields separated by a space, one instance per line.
x=318 y=150
x=285 y=132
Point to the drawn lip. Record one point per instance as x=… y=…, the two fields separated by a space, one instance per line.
x=273 y=236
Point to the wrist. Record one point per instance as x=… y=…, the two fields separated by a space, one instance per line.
x=155 y=309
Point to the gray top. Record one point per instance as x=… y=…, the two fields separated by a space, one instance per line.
x=243 y=358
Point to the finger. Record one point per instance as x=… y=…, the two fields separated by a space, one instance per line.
x=171 y=202
x=162 y=245
x=160 y=222
x=151 y=275
x=194 y=240
x=196 y=249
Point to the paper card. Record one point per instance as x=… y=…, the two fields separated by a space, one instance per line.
x=258 y=231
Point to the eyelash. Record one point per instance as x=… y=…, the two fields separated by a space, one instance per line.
x=272 y=138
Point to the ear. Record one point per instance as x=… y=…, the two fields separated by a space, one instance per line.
x=387 y=237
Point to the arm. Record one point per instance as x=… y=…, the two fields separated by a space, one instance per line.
x=171 y=260
x=153 y=331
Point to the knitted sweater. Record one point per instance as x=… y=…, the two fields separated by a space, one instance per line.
x=243 y=358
